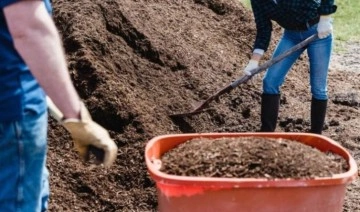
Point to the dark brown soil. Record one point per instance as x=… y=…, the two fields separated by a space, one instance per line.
x=135 y=62
x=250 y=157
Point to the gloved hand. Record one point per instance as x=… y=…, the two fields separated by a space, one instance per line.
x=250 y=66
x=89 y=136
x=325 y=27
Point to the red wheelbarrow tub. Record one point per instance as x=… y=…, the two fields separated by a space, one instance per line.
x=192 y=194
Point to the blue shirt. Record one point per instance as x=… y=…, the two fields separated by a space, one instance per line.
x=19 y=90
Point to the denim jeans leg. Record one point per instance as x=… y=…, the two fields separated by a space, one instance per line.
x=23 y=174
x=45 y=191
x=9 y=167
x=274 y=77
x=319 y=53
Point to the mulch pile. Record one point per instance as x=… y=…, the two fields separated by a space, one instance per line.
x=135 y=62
x=250 y=157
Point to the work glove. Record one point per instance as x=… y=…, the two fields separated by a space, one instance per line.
x=250 y=66
x=325 y=27
x=89 y=137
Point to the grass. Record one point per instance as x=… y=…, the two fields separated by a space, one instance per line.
x=346 y=21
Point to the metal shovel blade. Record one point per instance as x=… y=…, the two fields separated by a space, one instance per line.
x=245 y=78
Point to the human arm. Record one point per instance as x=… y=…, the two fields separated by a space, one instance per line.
x=325 y=28
x=38 y=42
x=327 y=7
x=263 y=25
x=263 y=35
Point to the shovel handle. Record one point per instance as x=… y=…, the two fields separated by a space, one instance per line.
x=274 y=60
x=245 y=78
x=54 y=110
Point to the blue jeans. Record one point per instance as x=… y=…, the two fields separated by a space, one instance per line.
x=319 y=52
x=24 y=185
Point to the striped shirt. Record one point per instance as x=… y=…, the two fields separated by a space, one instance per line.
x=286 y=13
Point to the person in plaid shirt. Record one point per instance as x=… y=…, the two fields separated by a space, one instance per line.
x=300 y=19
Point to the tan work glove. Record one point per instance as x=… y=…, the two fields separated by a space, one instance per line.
x=89 y=137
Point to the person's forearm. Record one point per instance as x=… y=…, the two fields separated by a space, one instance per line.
x=38 y=42
x=327 y=7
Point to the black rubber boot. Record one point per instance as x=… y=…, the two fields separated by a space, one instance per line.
x=318 y=112
x=269 y=112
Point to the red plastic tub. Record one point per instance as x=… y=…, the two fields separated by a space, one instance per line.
x=192 y=194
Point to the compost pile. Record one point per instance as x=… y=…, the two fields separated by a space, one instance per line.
x=135 y=62
x=250 y=157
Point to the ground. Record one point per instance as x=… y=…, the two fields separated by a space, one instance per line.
x=135 y=62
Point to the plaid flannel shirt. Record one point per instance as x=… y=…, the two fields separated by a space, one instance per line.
x=286 y=13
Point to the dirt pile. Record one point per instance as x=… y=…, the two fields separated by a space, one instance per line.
x=135 y=62
x=250 y=157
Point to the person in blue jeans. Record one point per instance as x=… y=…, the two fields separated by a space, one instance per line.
x=299 y=19
x=33 y=66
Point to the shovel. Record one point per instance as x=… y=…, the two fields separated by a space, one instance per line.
x=245 y=78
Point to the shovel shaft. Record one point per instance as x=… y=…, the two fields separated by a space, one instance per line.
x=54 y=110
x=274 y=60
x=245 y=78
